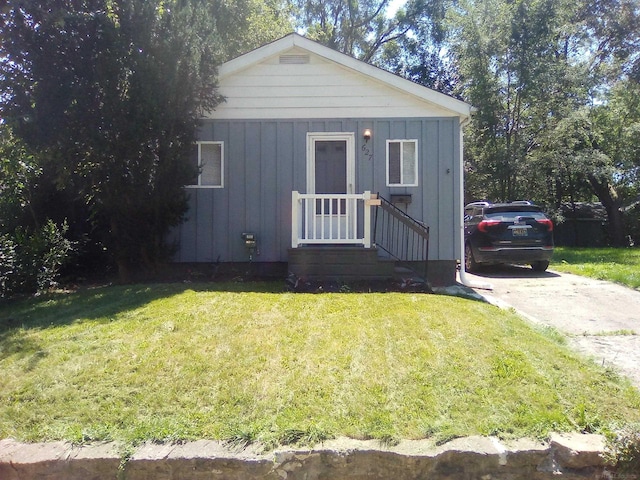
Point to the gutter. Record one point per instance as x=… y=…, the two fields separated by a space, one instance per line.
x=467 y=282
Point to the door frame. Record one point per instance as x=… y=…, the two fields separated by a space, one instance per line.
x=349 y=138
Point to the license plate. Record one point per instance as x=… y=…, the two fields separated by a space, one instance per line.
x=519 y=232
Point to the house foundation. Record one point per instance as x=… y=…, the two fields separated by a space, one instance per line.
x=358 y=264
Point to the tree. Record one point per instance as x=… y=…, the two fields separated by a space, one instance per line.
x=516 y=66
x=592 y=144
x=420 y=51
x=539 y=71
x=19 y=173
x=358 y=28
x=109 y=92
x=32 y=249
x=613 y=30
x=615 y=182
x=243 y=25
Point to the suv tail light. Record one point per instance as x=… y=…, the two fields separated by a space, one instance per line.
x=548 y=223
x=485 y=224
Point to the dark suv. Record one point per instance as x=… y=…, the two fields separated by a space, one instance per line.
x=517 y=232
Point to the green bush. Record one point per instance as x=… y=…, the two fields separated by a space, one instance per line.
x=623 y=448
x=8 y=260
x=31 y=262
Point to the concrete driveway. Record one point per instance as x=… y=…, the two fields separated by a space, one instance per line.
x=602 y=319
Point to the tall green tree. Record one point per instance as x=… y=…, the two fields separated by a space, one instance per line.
x=109 y=92
x=537 y=71
x=243 y=25
x=515 y=69
x=19 y=173
x=588 y=145
x=421 y=52
x=616 y=180
x=358 y=28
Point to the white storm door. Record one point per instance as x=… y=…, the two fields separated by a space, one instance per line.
x=331 y=170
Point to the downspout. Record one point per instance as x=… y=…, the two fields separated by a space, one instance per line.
x=463 y=274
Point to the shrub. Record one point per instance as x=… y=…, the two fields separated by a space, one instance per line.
x=623 y=449
x=30 y=262
x=8 y=260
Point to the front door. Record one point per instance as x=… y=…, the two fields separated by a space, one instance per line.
x=331 y=170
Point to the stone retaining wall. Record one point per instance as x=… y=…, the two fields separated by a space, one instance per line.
x=564 y=457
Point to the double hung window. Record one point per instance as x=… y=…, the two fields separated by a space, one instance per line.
x=402 y=163
x=210 y=163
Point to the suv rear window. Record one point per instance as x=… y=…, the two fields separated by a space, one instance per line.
x=511 y=215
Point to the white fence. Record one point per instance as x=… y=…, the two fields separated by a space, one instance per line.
x=330 y=218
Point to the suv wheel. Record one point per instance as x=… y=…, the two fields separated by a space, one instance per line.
x=470 y=264
x=540 y=266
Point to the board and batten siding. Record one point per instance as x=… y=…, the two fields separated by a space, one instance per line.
x=265 y=160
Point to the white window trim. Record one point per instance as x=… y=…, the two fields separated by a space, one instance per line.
x=208 y=142
x=402 y=184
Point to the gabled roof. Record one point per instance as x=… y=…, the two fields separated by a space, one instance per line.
x=296 y=41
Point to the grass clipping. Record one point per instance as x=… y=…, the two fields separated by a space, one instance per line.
x=250 y=363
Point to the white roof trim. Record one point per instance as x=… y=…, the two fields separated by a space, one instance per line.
x=294 y=40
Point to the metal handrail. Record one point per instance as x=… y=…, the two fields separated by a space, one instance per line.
x=401 y=236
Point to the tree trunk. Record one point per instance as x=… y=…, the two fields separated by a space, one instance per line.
x=124 y=272
x=609 y=197
x=122 y=262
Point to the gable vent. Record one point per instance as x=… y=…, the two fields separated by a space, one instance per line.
x=294 y=59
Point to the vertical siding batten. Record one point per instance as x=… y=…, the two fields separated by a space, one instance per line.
x=414 y=132
x=220 y=213
x=268 y=208
x=253 y=182
x=204 y=224
x=380 y=135
x=457 y=195
x=285 y=148
x=237 y=188
x=432 y=184
x=447 y=189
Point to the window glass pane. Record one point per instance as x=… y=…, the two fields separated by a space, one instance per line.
x=211 y=164
x=331 y=166
x=193 y=163
x=409 y=163
x=394 y=163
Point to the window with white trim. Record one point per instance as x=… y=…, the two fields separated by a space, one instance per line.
x=402 y=163
x=210 y=163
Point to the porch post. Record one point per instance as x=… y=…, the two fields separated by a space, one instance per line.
x=295 y=221
x=367 y=219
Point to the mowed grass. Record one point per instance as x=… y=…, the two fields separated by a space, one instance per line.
x=252 y=363
x=620 y=265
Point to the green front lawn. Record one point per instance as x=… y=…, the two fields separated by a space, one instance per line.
x=250 y=362
x=620 y=265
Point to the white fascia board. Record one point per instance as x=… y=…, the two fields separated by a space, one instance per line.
x=255 y=56
x=463 y=109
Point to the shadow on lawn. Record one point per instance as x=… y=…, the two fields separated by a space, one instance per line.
x=107 y=302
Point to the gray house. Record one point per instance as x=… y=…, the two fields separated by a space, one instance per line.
x=326 y=166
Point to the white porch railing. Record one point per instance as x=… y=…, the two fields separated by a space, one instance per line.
x=330 y=218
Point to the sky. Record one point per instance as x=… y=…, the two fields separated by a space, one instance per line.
x=394 y=5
